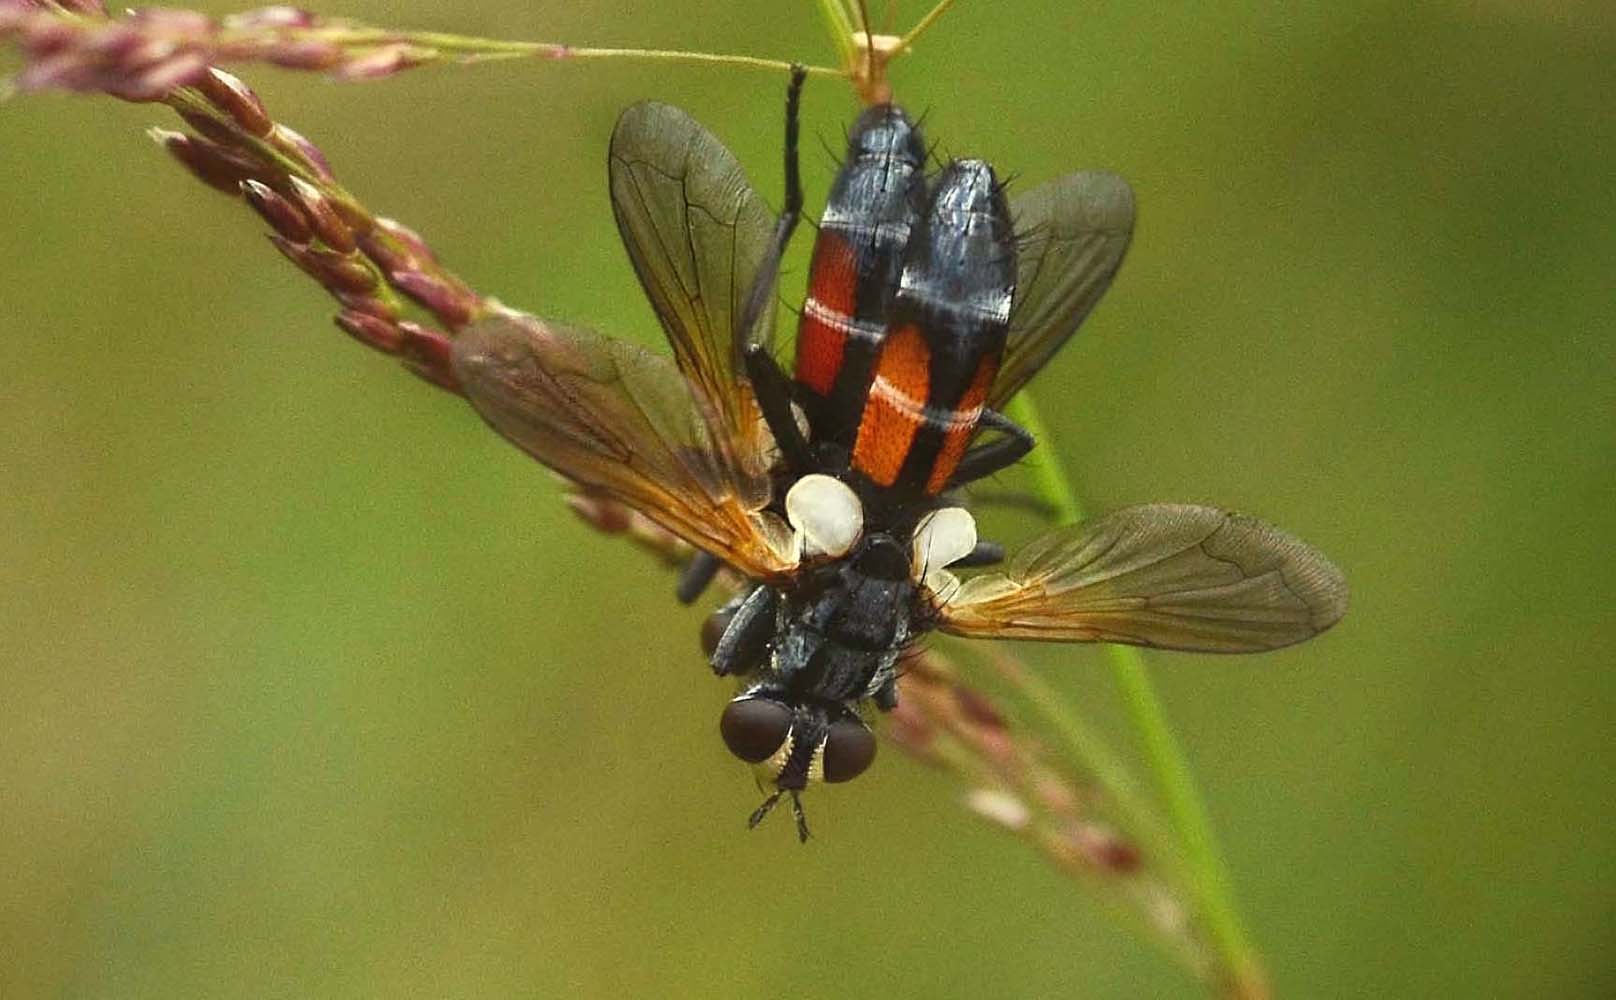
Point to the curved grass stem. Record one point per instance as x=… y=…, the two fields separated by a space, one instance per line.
x=707 y=58
x=921 y=26
x=468 y=48
x=1209 y=877
x=840 y=26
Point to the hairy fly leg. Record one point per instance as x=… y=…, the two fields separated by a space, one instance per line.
x=773 y=391
x=750 y=626
x=758 y=296
x=697 y=575
x=983 y=554
x=984 y=460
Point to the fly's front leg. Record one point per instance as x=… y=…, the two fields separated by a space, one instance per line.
x=748 y=624
x=769 y=384
x=773 y=392
x=886 y=696
x=985 y=460
x=758 y=297
x=697 y=575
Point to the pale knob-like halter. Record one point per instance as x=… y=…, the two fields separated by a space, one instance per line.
x=826 y=516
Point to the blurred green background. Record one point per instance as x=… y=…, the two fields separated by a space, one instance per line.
x=310 y=687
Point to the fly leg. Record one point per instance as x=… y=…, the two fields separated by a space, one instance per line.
x=801 y=818
x=745 y=640
x=773 y=392
x=696 y=576
x=769 y=384
x=796 y=811
x=762 y=290
x=985 y=460
x=984 y=554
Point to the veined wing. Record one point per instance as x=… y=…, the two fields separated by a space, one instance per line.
x=1169 y=575
x=1075 y=230
x=615 y=417
x=697 y=233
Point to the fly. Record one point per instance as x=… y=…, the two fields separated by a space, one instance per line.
x=931 y=302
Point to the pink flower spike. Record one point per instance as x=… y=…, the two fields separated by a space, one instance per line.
x=1103 y=848
x=279 y=16
x=227 y=93
x=377 y=245
x=301 y=149
x=371 y=331
x=342 y=272
x=437 y=296
x=212 y=165
x=182 y=70
x=330 y=228
x=1000 y=807
x=412 y=242
x=599 y=513
x=208 y=126
x=114 y=41
x=382 y=62
x=281 y=214
x=304 y=55
x=429 y=352
x=337 y=272
x=43 y=36
x=174 y=20
x=66 y=70
x=369 y=305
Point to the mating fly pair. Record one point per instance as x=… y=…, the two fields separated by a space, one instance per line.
x=932 y=301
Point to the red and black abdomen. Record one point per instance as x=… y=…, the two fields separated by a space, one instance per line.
x=949 y=320
x=874 y=203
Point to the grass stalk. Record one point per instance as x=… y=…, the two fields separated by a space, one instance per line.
x=1209 y=877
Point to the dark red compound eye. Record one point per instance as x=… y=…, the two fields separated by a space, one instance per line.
x=849 y=750
x=754 y=728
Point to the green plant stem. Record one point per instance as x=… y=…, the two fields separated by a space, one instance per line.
x=708 y=58
x=1210 y=877
x=472 y=49
x=840 y=26
x=921 y=26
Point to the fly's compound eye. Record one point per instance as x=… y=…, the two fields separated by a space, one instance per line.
x=849 y=749
x=755 y=729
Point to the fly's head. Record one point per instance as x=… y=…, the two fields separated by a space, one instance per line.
x=794 y=743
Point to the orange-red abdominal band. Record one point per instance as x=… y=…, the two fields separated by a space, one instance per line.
x=963 y=423
x=896 y=407
x=822 y=334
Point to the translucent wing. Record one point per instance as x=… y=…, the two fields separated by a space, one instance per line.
x=615 y=417
x=1168 y=575
x=1075 y=230
x=696 y=232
